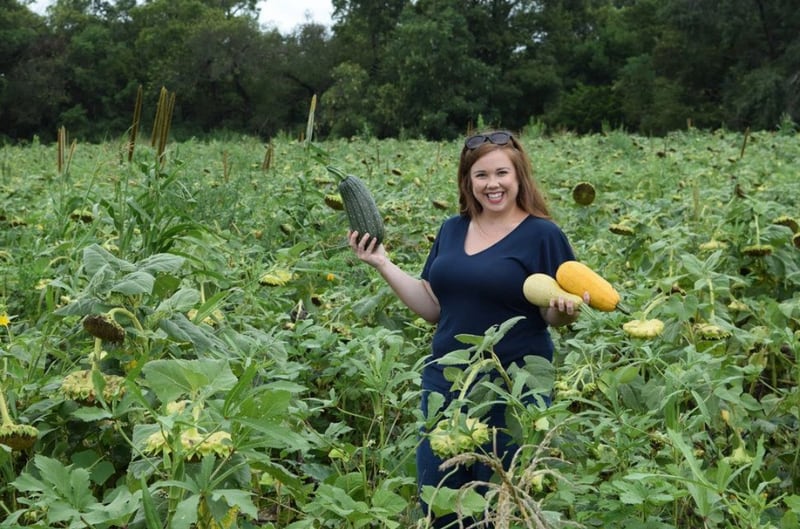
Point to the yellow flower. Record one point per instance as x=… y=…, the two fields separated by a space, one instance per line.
x=4 y=319
x=330 y=277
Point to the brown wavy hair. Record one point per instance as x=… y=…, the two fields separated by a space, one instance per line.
x=530 y=198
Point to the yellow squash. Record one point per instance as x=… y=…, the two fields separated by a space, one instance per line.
x=577 y=278
x=539 y=289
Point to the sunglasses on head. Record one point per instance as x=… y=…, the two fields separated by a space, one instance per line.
x=498 y=138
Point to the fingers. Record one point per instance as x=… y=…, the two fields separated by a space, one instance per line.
x=365 y=244
x=563 y=305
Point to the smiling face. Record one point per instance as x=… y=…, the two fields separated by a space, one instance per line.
x=494 y=182
x=479 y=166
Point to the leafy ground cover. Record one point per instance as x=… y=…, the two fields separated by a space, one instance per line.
x=194 y=345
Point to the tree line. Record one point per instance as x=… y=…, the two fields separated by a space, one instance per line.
x=401 y=68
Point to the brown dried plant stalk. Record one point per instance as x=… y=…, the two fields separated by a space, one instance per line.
x=162 y=123
x=268 y=154
x=62 y=159
x=512 y=499
x=137 y=116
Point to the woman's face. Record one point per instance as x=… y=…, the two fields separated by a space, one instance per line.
x=494 y=182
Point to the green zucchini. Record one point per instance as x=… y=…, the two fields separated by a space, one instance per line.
x=359 y=205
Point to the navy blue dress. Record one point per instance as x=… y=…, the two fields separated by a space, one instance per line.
x=476 y=292
x=485 y=289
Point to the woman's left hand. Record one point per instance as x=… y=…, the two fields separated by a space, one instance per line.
x=562 y=311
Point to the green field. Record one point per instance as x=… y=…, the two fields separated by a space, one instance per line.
x=196 y=346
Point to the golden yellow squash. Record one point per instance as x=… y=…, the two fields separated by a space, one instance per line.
x=577 y=278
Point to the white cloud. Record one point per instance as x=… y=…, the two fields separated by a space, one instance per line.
x=285 y=15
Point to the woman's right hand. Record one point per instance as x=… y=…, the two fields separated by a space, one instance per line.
x=372 y=254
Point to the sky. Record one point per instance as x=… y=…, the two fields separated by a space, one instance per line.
x=286 y=15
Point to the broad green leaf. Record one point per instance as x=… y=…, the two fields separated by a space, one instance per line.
x=91 y=414
x=95 y=257
x=181 y=301
x=388 y=502
x=171 y=379
x=266 y=404
x=443 y=500
x=134 y=283
x=240 y=498
x=117 y=513
x=180 y=329
x=161 y=263
x=186 y=513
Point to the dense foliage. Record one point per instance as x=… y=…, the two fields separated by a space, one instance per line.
x=192 y=342
x=397 y=68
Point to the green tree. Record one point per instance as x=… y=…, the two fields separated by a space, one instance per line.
x=32 y=86
x=439 y=85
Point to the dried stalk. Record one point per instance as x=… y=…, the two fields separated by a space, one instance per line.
x=137 y=115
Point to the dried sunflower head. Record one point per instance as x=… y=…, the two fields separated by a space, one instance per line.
x=709 y=331
x=796 y=240
x=193 y=443
x=82 y=215
x=334 y=201
x=712 y=245
x=758 y=250
x=104 y=327
x=644 y=328
x=789 y=222
x=18 y=436
x=449 y=439
x=276 y=278
x=737 y=306
x=79 y=386
x=583 y=193
x=739 y=457
x=622 y=229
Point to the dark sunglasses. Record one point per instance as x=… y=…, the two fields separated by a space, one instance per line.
x=498 y=138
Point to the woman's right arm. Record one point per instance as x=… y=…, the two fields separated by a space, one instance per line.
x=415 y=293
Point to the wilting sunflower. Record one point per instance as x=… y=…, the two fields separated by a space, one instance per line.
x=276 y=278
x=644 y=328
x=583 y=193
x=450 y=438
x=105 y=327
x=709 y=331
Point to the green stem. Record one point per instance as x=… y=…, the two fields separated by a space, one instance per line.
x=712 y=301
x=656 y=301
x=4 y=415
x=758 y=229
x=96 y=352
x=473 y=373
x=336 y=172
x=129 y=314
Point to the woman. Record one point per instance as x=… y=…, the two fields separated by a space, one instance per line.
x=472 y=279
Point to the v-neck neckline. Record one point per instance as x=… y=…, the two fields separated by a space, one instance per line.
x=492 y=245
